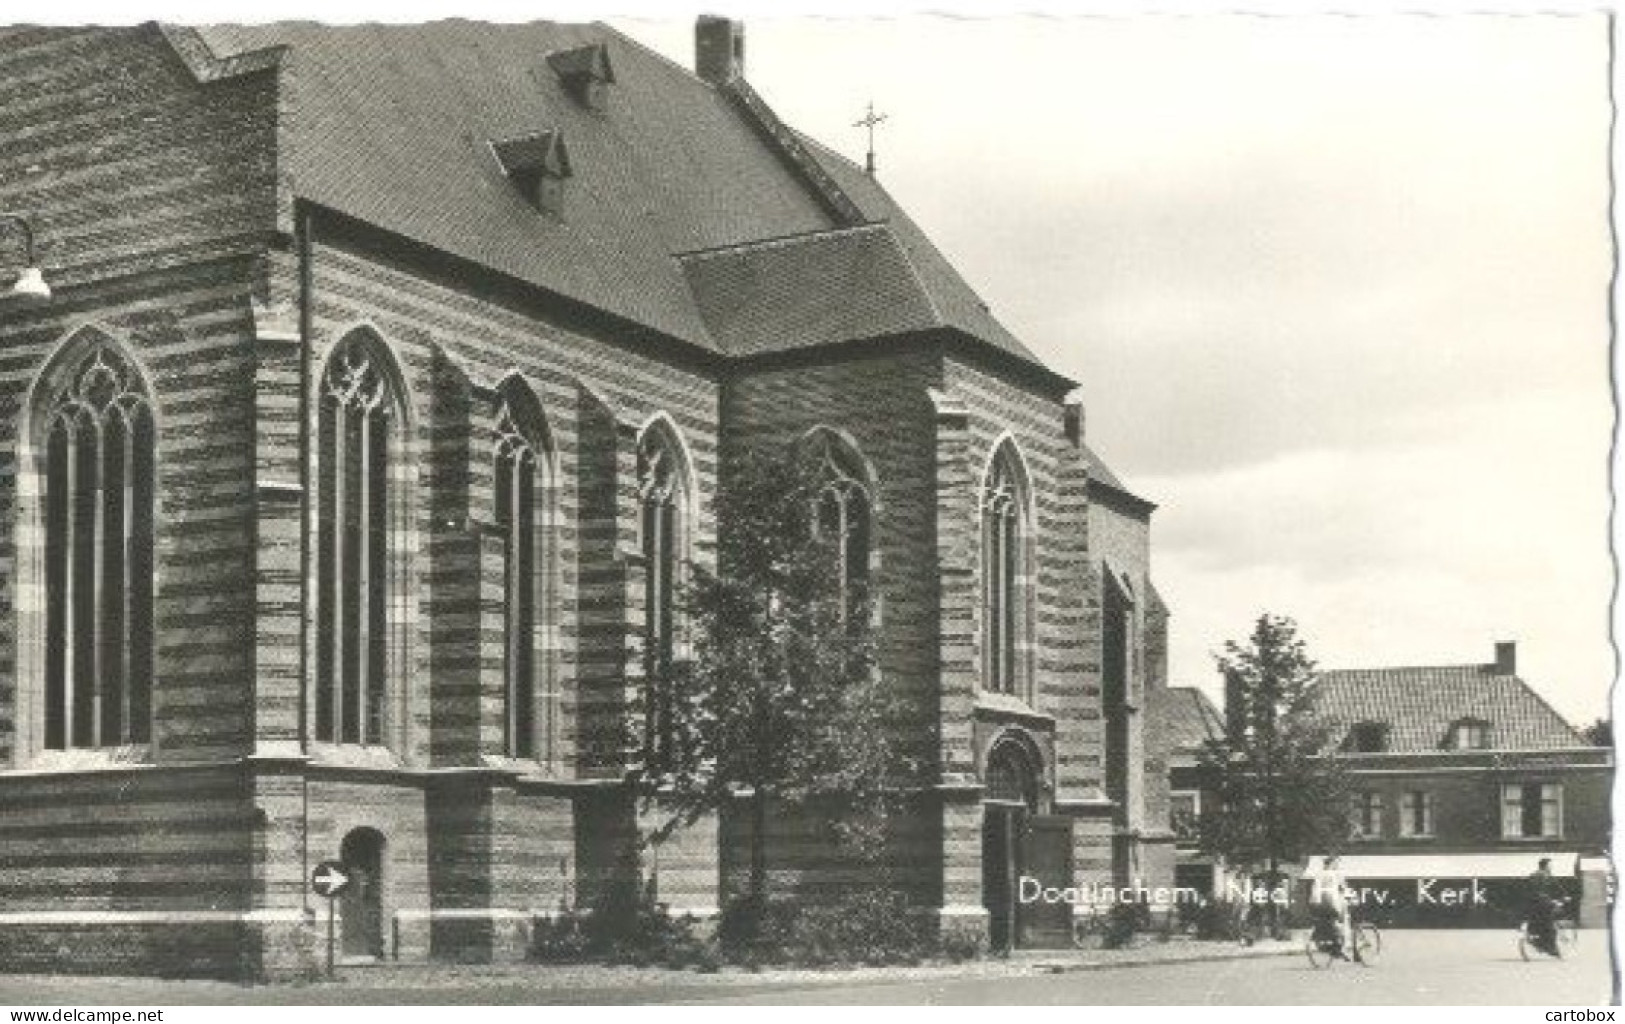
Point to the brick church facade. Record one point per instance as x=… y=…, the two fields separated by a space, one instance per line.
x=382 y=398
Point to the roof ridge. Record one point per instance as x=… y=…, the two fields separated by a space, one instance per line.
x=758 y=244
x=785 y=143
x=919 y=281
x=1478 y=666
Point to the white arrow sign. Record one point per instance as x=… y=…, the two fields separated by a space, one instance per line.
x=329 y=879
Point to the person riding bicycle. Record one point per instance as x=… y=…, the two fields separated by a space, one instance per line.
x=1331 y=897
x=1541 y=899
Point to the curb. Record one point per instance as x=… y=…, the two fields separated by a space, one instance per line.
x=1069 y=967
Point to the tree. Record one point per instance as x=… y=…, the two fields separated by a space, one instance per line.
x=781 y=702
x=1599 y=733
x=1280 y=795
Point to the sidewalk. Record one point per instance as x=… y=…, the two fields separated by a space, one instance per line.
x=589 y=983
x=1178 y=951
x=595 y=976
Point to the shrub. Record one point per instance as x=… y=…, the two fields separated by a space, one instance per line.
x=875 y=925
x=1217 y=919
x=1124 y=921
x=624 y=926
x=957 y=947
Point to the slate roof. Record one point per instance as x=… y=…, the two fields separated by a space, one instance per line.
x=1187 y=717
x=392 y=125
x=809 y=290
x=1419 y=706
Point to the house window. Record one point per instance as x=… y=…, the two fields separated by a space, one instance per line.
x=662 y=496
x=843 y=517
x=1367 y=815
x=521 y=471
x=98 y=483
x=358 y=420
x=1532 y=810
x=1184 y=810
x=1004 y=519
x=1367 y=738
x=1470 y=735
x=1416 y=815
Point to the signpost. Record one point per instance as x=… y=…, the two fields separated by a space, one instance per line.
x=329 y=880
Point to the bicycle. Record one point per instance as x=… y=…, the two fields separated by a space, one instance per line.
x=1565 y=935
x=1324 y=945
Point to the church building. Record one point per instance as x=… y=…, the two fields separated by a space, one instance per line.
x=349 y=473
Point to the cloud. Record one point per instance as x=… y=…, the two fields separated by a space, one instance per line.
x=1413 y=554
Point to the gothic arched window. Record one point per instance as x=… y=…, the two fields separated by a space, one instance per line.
x=844 y=514
x=522 y=484
x=359 y=416
x=1004 y=540
x=98 y=489
x=662 y=500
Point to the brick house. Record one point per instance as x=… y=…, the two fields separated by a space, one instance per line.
x=1186 y=721
x=1463 y=772
x=345 y=480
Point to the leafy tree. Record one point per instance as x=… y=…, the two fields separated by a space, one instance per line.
x=1280 y=798
x=781 y=703
x=1599 y=733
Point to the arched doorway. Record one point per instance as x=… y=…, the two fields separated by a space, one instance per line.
x=1019 y=840
x=1010 y=797
x=361 y=905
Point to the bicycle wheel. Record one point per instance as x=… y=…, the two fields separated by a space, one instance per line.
x=1568 y=937
x=1367 y=944
x=1319 y=956
x=1525 y=946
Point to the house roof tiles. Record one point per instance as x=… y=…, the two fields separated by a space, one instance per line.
x=1420 y=705
x=1189 y=719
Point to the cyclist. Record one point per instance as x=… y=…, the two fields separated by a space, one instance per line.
x=1331 y=890
x=1541 y=901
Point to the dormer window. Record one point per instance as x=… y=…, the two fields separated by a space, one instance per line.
x=1367 y=738
x=585 y=73
x=1469 y=734
x=538 y=165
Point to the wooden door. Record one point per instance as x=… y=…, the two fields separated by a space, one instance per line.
x=1045 y=858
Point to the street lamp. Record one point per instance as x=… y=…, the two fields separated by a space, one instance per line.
x=30 y=285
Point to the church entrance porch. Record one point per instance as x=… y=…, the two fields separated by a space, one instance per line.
x=1023 y=853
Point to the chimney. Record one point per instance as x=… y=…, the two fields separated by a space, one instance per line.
x=719 y=49
x=1506 y=658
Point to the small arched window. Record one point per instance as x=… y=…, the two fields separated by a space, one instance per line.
x=844 y=514
x=662 y=502
x=98 y=487
x=359 y=419
x=1004 y=541
x=1011 y=777
x=522 y=483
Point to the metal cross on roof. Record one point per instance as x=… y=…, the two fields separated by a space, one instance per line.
x=869 y=120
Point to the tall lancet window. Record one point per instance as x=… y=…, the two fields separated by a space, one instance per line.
x=844 y=515
x=359 y=415
x=1004 y=538
x=521 y=481
x=662 y=495
x=98 y=477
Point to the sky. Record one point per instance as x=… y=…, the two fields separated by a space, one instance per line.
x=1334 y=287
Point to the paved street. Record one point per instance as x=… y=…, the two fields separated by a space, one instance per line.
x=1478 y=967
x=1416 y=967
